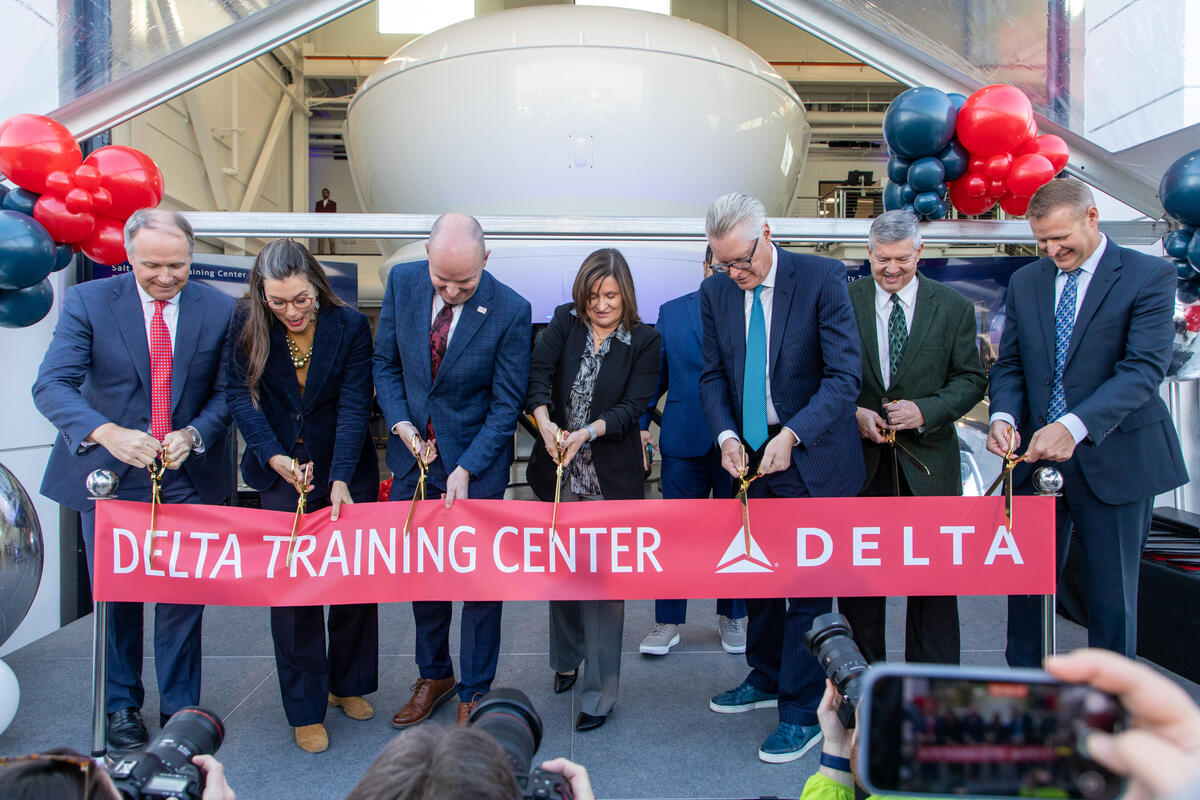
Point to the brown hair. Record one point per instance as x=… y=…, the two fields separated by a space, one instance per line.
x=430 y=763
x=596 y=267
x=279 y=260
x=1060 y=193
x=57 y=773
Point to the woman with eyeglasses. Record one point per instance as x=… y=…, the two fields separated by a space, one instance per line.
x=299 y=388
x=593 y=371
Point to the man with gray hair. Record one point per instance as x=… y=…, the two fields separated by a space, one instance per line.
x=921 y=372
x=135 y=376
x=781 y=372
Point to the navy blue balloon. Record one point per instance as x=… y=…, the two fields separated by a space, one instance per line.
x=897 y=169
x=909 y=207
x=20 y=200
x=1187 y=292
x=940 y=211
x=1184 y=270
x=927 y=204
x=64 y=254
x=1176 y=244
x=3 y=191
x=891 y=197
x=920 y=122
x=23 y=307
x=942 y=190
x=1193 y=252
x=1179 y=189
x=907 y=193
x=955 y=159
x=958 y=100
x=26 y=251
x=925 y=174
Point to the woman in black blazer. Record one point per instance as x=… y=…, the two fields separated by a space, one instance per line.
x=299 y=388
x=593 y=371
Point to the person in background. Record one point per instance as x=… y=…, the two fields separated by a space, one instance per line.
x=135 y=377
x=451 y=369
x=593 y=371
x=921 y=369
x=691 y=463
x=299 y=388
x=326 y=206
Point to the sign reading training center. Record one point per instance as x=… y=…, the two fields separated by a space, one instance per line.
x=504 y=550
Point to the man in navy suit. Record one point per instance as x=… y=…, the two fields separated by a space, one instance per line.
x=781 y=377
x=1087 y=341
x=691 y=463
x=451 y=370
x=98 y=385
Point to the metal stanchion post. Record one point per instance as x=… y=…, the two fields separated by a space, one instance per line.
x=1048 y=482
x=101 y=485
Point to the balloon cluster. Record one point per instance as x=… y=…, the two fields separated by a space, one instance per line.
x=63 y=203
x=1179 y=192
x=969 y=152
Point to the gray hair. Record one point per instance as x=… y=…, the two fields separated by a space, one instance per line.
x=895 y=226
x=1060 y=193
x=158 y=219
x=731 y=210
x=459 y=225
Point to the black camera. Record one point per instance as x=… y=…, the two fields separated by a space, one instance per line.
x=831 y=642
x=165 y=768
x=508 y=717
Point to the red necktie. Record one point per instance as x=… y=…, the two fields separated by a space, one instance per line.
x=160 y=373
x=439 y=334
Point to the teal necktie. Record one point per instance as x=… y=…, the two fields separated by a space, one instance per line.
x=754 y=379
x=897 y=338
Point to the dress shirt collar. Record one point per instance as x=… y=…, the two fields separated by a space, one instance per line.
x=146 y=298
x=769 y=281
x=907 y=297
x=1092 y=261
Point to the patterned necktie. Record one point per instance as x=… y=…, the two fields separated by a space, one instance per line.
x=160 y=373
x=1064 y=323
x=754 y=379
x=439 y=334
x=897 y=338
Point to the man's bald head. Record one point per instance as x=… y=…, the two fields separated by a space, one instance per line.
x=457 y=256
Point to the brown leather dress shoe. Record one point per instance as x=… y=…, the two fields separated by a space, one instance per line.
x=427 y=694
x=465 y=709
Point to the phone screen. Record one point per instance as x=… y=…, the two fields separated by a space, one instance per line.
x=987 y=736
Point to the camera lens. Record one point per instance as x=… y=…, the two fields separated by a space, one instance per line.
x=192 y=731
x=831 y=642
x=507 y=716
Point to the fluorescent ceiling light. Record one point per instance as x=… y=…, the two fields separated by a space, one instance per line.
x=422 y=16
x=657 y=6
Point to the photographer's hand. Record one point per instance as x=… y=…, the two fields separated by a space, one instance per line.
x=835 y=738
x=576 y=775
x=1160 y=753
x=215 y=785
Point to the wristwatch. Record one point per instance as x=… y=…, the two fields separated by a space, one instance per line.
x=197 y=442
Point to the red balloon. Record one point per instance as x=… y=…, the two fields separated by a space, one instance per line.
x=131 y=177
x=1052 y=147
x=964 y=201
x=101 y=202
x=63 y=226
x=1029 y=172
x=1017 y=206
x=87 y=177
x=997 y=166
x=1032 y=128
x=996 y=119
x=1192 y=316
x=106 y=245
x=976 y=165
x=33 y=146
x=996 y=188
x=59 y=182
x=78 y=201
x=975 y=185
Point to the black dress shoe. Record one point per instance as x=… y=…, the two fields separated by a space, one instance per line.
x=563 y=681
x=126 y=731
x=588 y=722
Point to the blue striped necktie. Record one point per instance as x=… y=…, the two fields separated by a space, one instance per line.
x=754 y=379
x=1064 y=323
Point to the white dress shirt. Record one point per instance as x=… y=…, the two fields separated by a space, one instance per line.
x=455 y=313
x=170 y=313
x=906 y=298
x=1086 y=270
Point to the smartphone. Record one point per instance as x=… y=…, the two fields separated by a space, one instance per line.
x=952 y=731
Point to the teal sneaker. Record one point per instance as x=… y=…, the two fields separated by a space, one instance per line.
x=744 y=698
x=789 y=742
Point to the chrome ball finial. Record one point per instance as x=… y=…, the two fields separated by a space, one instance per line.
x=1047 y=480
x=102 y=484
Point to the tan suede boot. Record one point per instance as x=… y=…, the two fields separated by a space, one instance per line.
x=355 y=707
x=312 y=738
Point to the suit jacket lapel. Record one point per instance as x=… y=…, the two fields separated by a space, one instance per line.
x=691 y=305
x=187 y=331
x=327 y=342
x=1043 y=284
x=280 y=367
x=924 y=313
x=733 y=315
x=781 y=301
x=419 y=312
x=131 y=322
x=1106 y=274
x=862 y=298
x=474 y=312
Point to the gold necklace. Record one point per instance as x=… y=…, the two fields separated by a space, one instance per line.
x=298 y=359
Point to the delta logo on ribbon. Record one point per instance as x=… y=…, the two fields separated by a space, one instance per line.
x=505 y=550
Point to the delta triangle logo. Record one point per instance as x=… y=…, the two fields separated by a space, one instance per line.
x=736 y=559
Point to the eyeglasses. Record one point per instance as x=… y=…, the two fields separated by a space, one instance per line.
x=743 y=264
x=301 y=303
x=84 y=764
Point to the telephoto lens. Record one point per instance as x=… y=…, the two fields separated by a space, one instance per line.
x=508 y=716
x=831 y=642
x=165 y=768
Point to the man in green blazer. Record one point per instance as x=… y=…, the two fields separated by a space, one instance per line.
x=921 y=372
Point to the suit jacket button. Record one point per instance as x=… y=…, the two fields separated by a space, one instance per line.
x=1049 y=382
x=297 y=418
